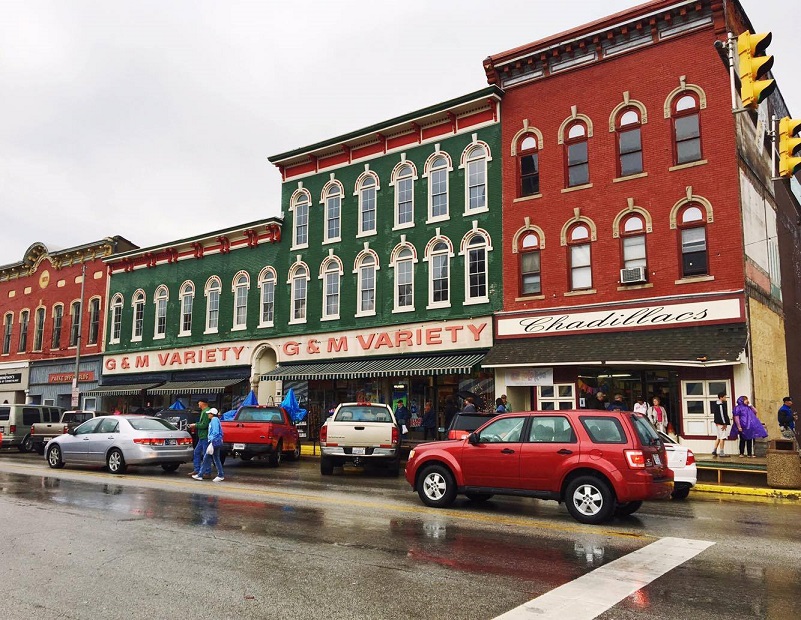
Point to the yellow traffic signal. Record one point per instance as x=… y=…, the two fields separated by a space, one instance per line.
x=753 y=65
x=789 y=146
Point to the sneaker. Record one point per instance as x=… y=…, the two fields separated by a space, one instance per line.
x=218 y=479
x=196 y=477
x=723 y=456
x=714 y=453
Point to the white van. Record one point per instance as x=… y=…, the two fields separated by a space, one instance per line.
x=16 y=421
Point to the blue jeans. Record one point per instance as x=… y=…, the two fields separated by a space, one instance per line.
x=217 y=463
x=197 y=456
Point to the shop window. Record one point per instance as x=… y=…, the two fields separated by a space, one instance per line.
x=94 y=320
x=298 y=280
x=577 y=155
x=267 y=279
x=530 y=273
x=139 y=315
x=557 y=397
x=8 y=326
x=697 y=398
x=404 y=280
x=629 y=143
x=160 y=300
x=404 y=196
x=686 y=129
x=366 y=190
x=332 y=274
x=693 y=242
x=213 y=290
x=300 y=220
x=580 y=258
x=529 y=166
x=476 y=161
x=38 y=335
x=58 y=318
x=116 y=318
x=187 y=303
x=439 y=275
x=366 y=267
x=75 y=323
x=333 y=212
x=633 y=240
x=437 y=173
x=476 y=269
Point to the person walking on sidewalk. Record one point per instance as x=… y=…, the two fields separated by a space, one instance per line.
x=720 y=411
x=202 y=430
x=213 y=447
x=747 y=426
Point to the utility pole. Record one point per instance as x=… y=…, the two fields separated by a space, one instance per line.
x=76 y=395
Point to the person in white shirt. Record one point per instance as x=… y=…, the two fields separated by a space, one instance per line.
x=640 y=406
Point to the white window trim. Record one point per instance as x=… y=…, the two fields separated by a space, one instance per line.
x=237 y=327
x=291 y=283
x=358 y=194
x=157 y=297
x=324 y=202
x=135 y=300
x=299 y=196
x=394 y=183
x=432 y=305
x=213 y=284
x=340 y=270
x=182 y=333
x=357 y=265
x=555 y=399
x=464 y=252
x=116 y=303
x=427 y=175
x=267 y=274
x=463 y=165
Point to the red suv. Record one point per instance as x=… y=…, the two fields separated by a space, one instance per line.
x=600 y=463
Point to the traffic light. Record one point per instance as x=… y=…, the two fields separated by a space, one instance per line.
x=789 y=146
x=754 y=65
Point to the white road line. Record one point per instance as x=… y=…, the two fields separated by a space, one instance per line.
x=594 y=593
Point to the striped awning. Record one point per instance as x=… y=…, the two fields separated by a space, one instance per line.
x=119 y=390
x=190 y=387
x=387 y=367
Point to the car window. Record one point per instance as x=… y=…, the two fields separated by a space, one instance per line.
x=505 y=430
x=78 y=417
x=87 y=427
x=468 y=421
x=645 y=430
x=151 y=424
x=603 y=429
x=109 y=425
x=363 y=414
x=31 y=415
x=4 y=413
x=551 y=429
x=259 y=415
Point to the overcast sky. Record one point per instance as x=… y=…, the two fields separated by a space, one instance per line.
x=154 y=119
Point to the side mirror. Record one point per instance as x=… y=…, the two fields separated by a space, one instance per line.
x=473 y=439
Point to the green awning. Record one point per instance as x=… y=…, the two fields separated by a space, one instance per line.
x=191 y=387
x=126 y=389
x=386 y=367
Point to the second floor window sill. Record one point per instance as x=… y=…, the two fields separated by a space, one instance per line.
x=586 y=291
x=628 y=177
x=577 y=188
x=693 y=279
x=689 y=164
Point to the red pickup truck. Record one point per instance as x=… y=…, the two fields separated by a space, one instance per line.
x=261 y=432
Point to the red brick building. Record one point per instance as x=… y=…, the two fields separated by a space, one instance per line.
x=640 y=241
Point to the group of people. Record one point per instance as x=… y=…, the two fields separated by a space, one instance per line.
x=209 y=443
x=747 y=425
x=428 y=420
x=656 y=411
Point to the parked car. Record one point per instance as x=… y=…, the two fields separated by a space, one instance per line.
x=464 y=423
x=119 y=441
x=599 y=463
x=16 y=421
x=261 y=431
x=681 y=461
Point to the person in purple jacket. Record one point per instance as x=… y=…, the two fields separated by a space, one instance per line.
x=747 y=426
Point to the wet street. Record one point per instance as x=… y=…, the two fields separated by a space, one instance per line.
x=287 y=543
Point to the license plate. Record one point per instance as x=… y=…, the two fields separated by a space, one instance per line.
x=357 y=451
x=657 y=460
x=239 y=446
x=170 y=442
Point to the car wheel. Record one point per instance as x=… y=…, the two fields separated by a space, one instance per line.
x=275 y=456
x=326 y=466
x=170 y=467
x=590 y=500
x=436 y=486
x=681 y=490
x=627 y=508
x=26 y=445
x=478 y=498
x=54 y=457
x=116 y=462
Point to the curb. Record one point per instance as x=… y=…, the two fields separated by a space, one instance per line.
x=792 y=494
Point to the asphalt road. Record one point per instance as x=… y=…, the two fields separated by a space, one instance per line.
x=288 y=543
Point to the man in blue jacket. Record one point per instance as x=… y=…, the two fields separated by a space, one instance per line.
x=787 y=416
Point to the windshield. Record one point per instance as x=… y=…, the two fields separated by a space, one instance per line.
x=645 y=430
x=151 y=424
x=363 y=413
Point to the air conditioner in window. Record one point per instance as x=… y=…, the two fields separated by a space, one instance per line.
x=632 y=276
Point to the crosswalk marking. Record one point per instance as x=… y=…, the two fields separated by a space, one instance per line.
x=594 y=593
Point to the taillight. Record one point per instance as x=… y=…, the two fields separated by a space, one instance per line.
x=635 y=458
x=65 y=430
x=690 y=457
x=148 y=441
x=12 y=428
x=323 y=434
x=33 y=430
x=395 y=435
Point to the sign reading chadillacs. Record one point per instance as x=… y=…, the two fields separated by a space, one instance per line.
x=663 y=315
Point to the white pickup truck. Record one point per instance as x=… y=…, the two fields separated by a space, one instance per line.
x=362 y=434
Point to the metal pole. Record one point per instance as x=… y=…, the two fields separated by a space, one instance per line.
x=730 y=46
x=774 y=147
x=76 y=396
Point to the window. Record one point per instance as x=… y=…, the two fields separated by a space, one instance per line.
x=603 y=429
x=438 y=188
x=404 y=280
x=267 y=293
x=529 y=166
x=693 y=242
x=530 y=275
x=116 y=318
x=556 y=397
x=298 y=280
x=187 y=302
x=551 y=429
x=476 y=268
x=439 y=274
x=75 y=325
x=366 y=269
x=300 y=221
x=8 y=324
x=213 y=290
x=580 y=263
x=633 y=235
x=24 y=319
x=686 y=129
x=629 y=143
x=476 y=178
x=577 y=155
x=697 y=398
x=404 y=196
x=38 y=335
x=58 y=315
x=331 y=274
x=94 y=320
x=333 y=212
x=367 y=208
x=160 y=300
x=506 y=430
x=241 y=285
x=139 y=315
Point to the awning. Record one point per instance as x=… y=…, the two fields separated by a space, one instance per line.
x=191 y=387
x=706 y=345
x=120 y=390
x=386 y=367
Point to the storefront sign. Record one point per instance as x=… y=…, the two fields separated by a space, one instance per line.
x=66 y=377
x=529 y=376
x=664 y=315
x=12 y=377
x=190 y=358
x=418 y=338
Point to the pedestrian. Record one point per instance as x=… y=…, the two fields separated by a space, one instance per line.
x=202 y=430
x=469 y=405
x=499 y=406
x=720 y=412
x=618 y=404
x=213 y=448
x=599 y=402
x=429 y=421
x=787 y=418
x=747 y=426
x=640 y=406
x=658 y=414
x=402 y=417
x=506 y=404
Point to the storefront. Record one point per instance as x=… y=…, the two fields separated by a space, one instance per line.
x=51 y=382
x=14 y=378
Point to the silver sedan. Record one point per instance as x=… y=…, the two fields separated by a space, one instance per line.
x=117 y=441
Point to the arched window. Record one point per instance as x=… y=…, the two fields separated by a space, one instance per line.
x=438 y=188
x=75 y=323
x=580 y=259
x=529 y=167
x=692 y=226
x=8 y=327
x=577 y=155
x=333 y=212
x=116 y=318
x=187 y=303
x=404 y=196
x=160 y=300
x=24 y=320
x=633 y=239
x=404 y=280
x=94 y=320
x=332 y=274
x=367 y=204
x=476 y=269
x=58 y=318
x=530 y=270
x=213 y=291
x=38 y=335
x=439 y=274
x=299 y=277
x=267 y=279
x=300 y=220
x=241 y=285
x=629 y=142
x=476 y=178
x=686 y=128
x=366 y=267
